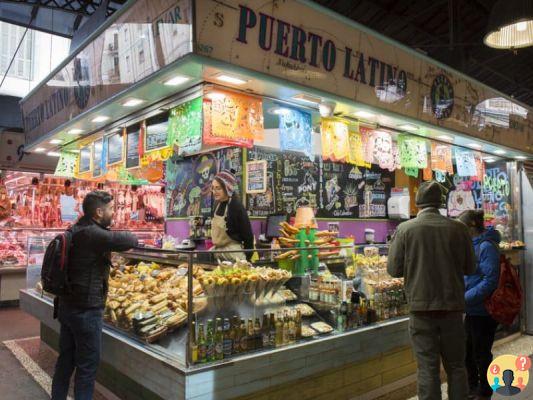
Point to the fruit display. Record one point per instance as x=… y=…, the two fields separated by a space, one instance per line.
x=149 y=299
x=517 y=244
x=230 y=280
x=325 y=241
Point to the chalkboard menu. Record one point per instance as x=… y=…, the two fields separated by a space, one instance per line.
x=97 y=157
x=256 y=176
x=377 y=188
x=115 y=148
x=155 y=137
x=132 y=149
x=263 y=204
x=85 y=160
x=299 y=182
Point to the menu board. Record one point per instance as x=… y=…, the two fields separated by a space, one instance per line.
x=299 y=182
x=97 y=157
x=115 y=148
x=376 y=192
x=263 y=204
x=85 y=160
x=497 y=195
x=155 y=137
x=341 y=190
x=132 y=149
x=256 y=176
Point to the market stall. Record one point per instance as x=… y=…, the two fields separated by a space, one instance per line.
x=341 y=146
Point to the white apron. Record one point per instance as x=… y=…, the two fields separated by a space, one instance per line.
x=221 y=239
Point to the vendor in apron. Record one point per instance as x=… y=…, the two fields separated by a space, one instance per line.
x=230 y=225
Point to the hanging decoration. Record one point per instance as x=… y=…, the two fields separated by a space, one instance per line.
x=396 y=157
x=412 y=172
x=66 y=166
x=379 y=149
x=295 y=131
x=185 y=127
x=356 y=153
x=335 y=140
x=413 y=152
x=480 y=166
x=441 y=157
x=234 y=120
x=465 y=162
x=440 y=176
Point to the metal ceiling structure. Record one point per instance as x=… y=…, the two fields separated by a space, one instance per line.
x=58 y=17
x=450 y=31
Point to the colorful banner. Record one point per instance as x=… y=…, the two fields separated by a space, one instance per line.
x=335 y=140
x=211 y=139
x=480 y=167
x=465 y=162
x=66 y=166
x=413 y=152
x=441 y=157
x=412 y=172
x=356 y=154
x=295 y=131
x=185 y=127
x=379 y=149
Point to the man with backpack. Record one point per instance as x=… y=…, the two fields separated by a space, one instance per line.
x=82 y=299
x=433 y=253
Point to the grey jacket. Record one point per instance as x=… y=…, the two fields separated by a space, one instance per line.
x=432 y=253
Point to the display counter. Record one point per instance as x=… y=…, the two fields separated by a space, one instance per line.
x=180 y=362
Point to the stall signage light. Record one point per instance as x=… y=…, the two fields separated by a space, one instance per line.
x=53 y=154
x=521 y=158
x=100 y=118
x=307 y=98
x=474 y=145
x=75 y=131
x=446 y=138
x=230 y=79
x=408 y=127
x=364 y=114
x=39 y=150
x=215 y=95
x=175 y=81
x=56 y=141
x=500 y=152
x=132 y=102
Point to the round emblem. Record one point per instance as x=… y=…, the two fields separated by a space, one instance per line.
x=442 y=97
x=82 y=90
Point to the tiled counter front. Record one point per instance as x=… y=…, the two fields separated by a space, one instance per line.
x=336 y=367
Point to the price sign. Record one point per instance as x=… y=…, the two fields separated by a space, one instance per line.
x=115 y=149
x=98 y=146
x=256 y=176
x=132 y=150
x=85 y=160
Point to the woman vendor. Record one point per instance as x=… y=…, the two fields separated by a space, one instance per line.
x=230 y=226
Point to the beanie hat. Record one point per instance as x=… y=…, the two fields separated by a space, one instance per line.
x=228 y=179
x=430 y=195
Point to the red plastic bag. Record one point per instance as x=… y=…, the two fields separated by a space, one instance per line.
x=506 y=301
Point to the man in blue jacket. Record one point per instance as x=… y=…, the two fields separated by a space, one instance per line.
x=480 y=327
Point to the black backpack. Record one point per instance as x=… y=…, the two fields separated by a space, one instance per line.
x=54 y=273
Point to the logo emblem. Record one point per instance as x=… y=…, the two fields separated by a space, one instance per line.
x=508 y=375
x=82 y=90
x=442 y=97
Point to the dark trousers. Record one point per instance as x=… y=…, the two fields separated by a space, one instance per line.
x=480 y=331
x=80 y=343
x=439 y=336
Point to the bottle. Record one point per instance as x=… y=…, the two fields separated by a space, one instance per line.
x=193 y=344
x=258 y=341
x=362 y=313
x=202 y=345
x=210 y=341
x=236 y=335
x=251 y=335
x=227 y=343
x=285 y=337
x=265 y=332
x=298 y=324
x=272 y=333
x=292 y=328
x=244 y=337
x=279 y=331
x=219 y=340
x=341 y=317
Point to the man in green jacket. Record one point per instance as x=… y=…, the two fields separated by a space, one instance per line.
x=433 y=253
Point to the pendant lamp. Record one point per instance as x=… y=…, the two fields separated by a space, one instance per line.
x=510 y=25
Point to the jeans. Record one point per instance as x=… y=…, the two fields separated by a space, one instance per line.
x=480 y=331
x=436 y=336
x=80 y=343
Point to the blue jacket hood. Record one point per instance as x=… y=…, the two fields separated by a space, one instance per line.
x=490 y=234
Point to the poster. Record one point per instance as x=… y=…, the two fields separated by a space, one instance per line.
x=269 y=202
x=98 y=147
x=115 y=148
x=132 y=150
x=66 y=166
x=295 y=131
x=497 y=196
x=465 y=162
x=413 y=152
x=185 y=127
x=441 y=157
x=256 y=176
x=155 y=136
x=85 y=160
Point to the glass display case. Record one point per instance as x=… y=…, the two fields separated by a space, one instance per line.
x=241 y=307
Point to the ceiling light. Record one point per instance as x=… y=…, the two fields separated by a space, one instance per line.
x=500 y=152
x=364 y=114
x=489 y=159
x=279 y=110
x=230 y=79
x=474 y=145
x=510 y=25
x=307 y=98
x=215 y=95
x=132 y=102
x=408 y=127
x=177 y=80
x=53 y=154
x=521 y=158
x=100 y=118
x=445 y=138
x=56 y=141
x=39 y=150
x=75 y=131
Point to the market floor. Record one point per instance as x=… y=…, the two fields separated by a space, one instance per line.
x=26 y=364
